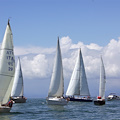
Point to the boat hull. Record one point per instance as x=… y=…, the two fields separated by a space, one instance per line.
x=58 y=101
x=19 y=99
x=113 y=97
x=4 y=109
x=99 y=102
x=80 y=100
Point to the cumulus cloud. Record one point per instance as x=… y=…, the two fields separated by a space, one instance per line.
x=94 y=46
x=111 y=55
x=37 y=62
x=35 y=67
x=65 y=43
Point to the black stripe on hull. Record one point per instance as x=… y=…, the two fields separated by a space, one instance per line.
x=80 y=100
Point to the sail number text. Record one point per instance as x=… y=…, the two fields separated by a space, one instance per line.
x=10 y=59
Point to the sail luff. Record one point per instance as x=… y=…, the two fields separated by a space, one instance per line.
x=7 y=65
x=57 y=81
x=17 y=89
x=102 y=80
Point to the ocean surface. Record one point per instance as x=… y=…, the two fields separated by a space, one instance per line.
x=37 y=109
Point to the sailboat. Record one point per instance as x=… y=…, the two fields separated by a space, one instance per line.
x=101 y=98
x=7 y=69
x=56 y=89
x=78 y=85
x=17 y=90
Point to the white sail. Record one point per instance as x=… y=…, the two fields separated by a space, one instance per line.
x=78 y=83
x=56 y=88
x=17 y=89
x=74 y=85
x=7 y=66
x=102 y=80
x=84 y=90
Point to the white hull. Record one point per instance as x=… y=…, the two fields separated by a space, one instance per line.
x=113 y=97
x=57 y=101
x=4 y=109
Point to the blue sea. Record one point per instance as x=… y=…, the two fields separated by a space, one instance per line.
x=37 y=109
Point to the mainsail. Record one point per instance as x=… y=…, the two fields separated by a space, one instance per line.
x=102 y=80
x=57 y=81
x=78 y=83
x=7 y=65
x=17 y=89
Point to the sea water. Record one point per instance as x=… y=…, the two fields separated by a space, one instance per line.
x=37 y=109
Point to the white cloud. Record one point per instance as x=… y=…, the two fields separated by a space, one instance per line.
x=38 y=62
x=79 y=45
x=94 y=46
x=111 y=57
x=37 y=67
x=65 y=43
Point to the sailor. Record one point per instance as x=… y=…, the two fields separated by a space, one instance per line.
x=10 y=103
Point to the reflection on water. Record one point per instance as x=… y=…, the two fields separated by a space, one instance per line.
x=56 y=107
x=5 y=116
x=9 y=116
x=57 y=112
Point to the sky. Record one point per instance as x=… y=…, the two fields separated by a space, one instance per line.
x=92 y=25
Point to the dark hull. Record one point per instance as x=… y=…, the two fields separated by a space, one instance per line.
x=19 y=100
x=80 y=100
x=97 y=102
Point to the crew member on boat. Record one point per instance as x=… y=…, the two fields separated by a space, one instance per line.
x=9 y=104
